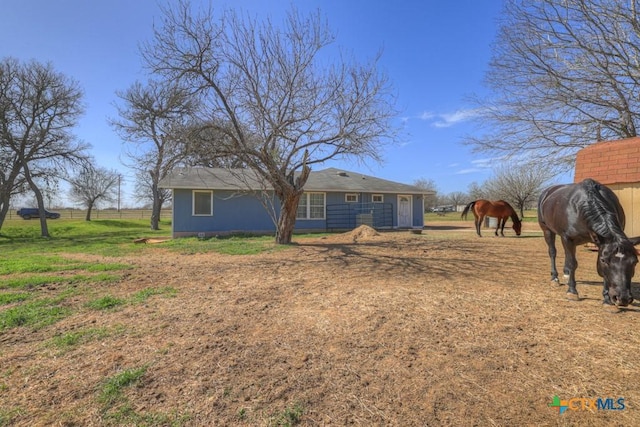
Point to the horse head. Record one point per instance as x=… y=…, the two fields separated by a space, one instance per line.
x=616 y=265
x=517 y=227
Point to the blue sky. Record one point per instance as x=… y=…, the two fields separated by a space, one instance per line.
x=435 y=52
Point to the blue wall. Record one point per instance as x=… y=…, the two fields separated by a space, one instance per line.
x=245 y=213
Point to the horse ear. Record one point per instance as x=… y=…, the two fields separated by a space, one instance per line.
x=634 y=240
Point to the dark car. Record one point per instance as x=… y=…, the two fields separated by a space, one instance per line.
x=28 y=213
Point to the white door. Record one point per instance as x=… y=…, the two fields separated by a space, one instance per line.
x=405 y=218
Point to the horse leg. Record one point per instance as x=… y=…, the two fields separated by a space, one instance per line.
x=504 y=222
x=550 y=239
x=570 y=264
x=479 y=220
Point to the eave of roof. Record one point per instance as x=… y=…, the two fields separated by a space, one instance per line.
x=328 y=180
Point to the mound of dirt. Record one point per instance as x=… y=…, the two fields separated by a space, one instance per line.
x=362 y=232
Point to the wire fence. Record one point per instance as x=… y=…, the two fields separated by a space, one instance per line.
x=102 y=214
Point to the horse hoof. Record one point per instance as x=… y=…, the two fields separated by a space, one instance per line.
x=555 y=282
x=610 y=308
x=572 y=297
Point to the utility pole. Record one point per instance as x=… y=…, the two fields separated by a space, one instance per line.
x=119 y=179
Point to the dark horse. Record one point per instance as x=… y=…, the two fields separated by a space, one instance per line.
x=500 y=209
x=589 y=212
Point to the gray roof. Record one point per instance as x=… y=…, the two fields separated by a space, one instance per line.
x=330 y=179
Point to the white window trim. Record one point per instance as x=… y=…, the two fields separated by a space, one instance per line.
x=346 y=198
x=307 y=216
x=193 y=202
x=373 y=196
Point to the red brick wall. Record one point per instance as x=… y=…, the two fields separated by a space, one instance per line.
x=610 y=162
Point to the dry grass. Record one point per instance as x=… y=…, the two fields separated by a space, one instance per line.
x=362 y=328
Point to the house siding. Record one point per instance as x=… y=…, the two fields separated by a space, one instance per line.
x=233 y=213
x=226 y=218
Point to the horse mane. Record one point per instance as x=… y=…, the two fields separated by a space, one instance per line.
x=515 y=218
x=514 y=215
x=601 y=218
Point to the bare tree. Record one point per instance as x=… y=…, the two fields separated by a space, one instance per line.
x=93 y=185
x=271 y=92
x=519 y=184
x=154 y=118
x=430 y=200
x=476 y=191
x=38 y=109
x=457 y=198
x=564 y=74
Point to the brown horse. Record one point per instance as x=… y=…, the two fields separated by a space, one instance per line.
x=499 y=209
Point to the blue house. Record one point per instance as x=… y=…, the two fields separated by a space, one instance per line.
x=210 y=201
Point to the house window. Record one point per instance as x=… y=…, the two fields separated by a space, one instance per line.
x=203 y=203
x=351 y=197
x=377 y=198
x=311 y=206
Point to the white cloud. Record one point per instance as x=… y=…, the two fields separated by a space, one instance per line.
x=445 y=120
x=450 y=119
x=426 y=115
x=468 y=171
x=480 y=165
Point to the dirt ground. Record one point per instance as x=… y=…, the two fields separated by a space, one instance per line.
x=441 y=328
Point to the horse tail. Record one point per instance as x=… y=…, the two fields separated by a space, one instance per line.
x=466 y=209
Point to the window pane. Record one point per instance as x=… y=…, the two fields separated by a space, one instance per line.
x=302 y=207
x=317 y=205
x=202 y=203
x=317 y=199
x=317 y=212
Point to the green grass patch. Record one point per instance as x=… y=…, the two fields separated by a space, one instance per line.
x=35 y=314
x=7 y=416
x=143 y=295
x=111 y=391
x=73 y=339
x=30 y=282
x=228 y=245
x=106 y=302
x=290 y=416
x=8 y=298
x=39 y=263
x=117 y=409
x=99 y=237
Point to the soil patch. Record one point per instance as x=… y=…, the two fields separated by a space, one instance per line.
x=358 y=328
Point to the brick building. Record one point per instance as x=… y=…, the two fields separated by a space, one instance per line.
x=617 y=165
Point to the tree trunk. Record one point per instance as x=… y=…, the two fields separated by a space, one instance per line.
x=3 y=211
x=5 y=193
x=287 y=218
x=4 y=206
x=44 y=229
x=89 y=209
x=156 y=207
